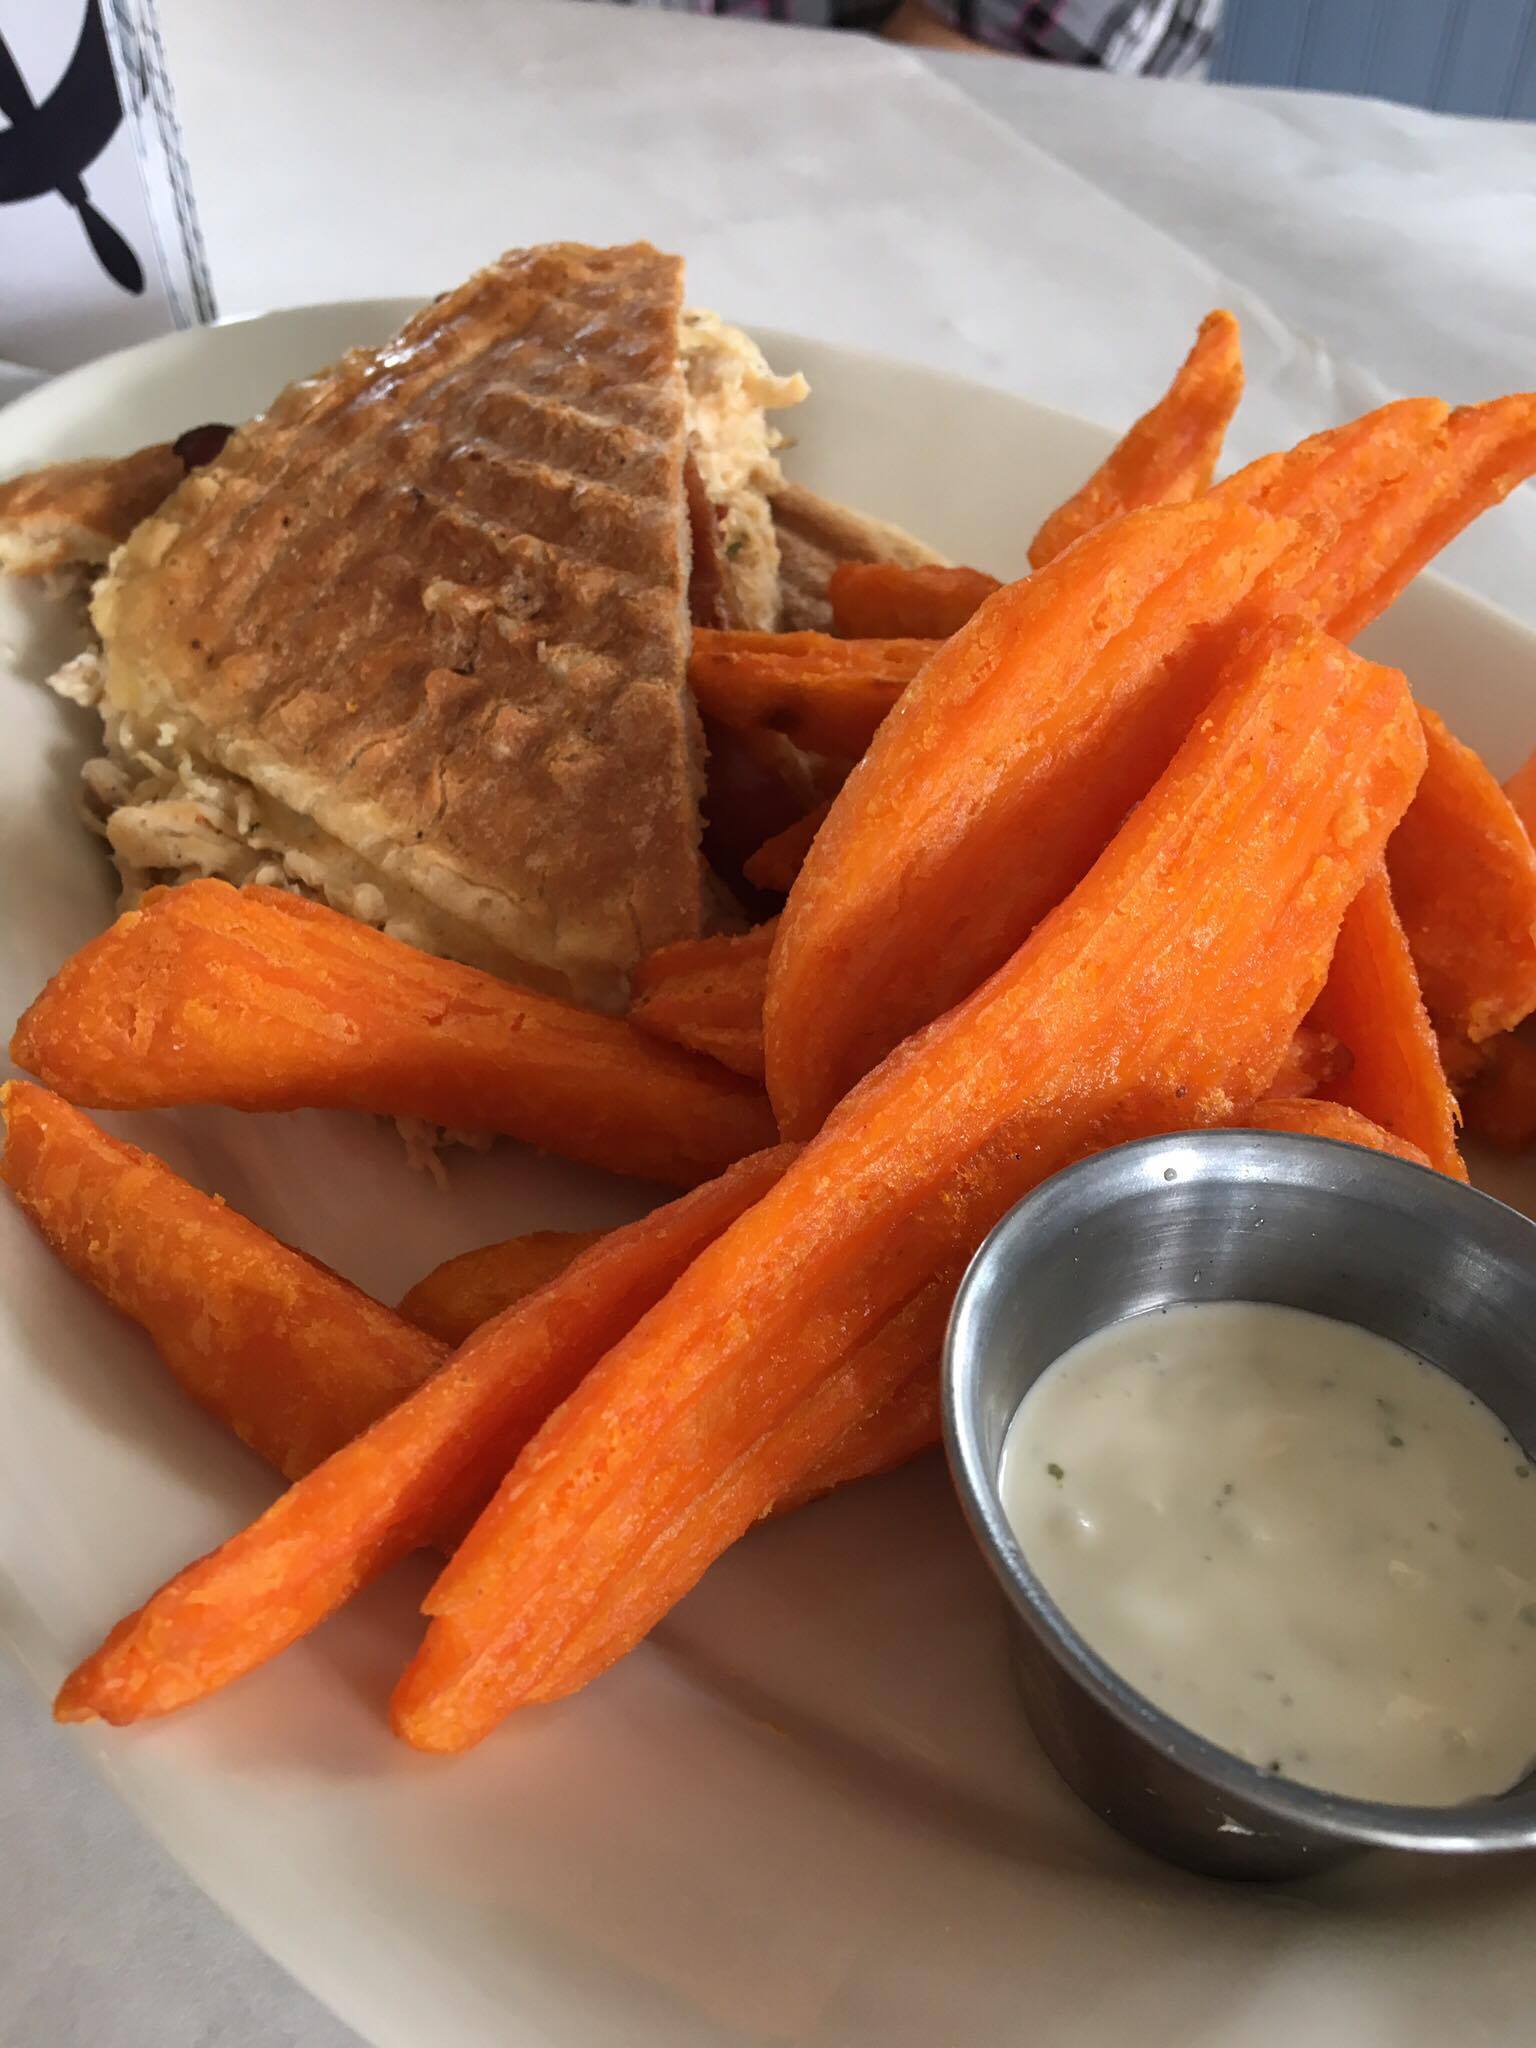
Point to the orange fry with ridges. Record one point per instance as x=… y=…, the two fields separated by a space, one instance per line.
x=1346 y=477
x=992 y=789
x=256 y=999
x=1325 y=473
x=1311 y=1118
x=457 y=1296
x=1170 y=454
x=291 y=1357
x=421 y=1471
x=1484 y=451
x=1372 y=1004
x=857 y=967
x=1210 y=919
x=884 y=654
x=825 y=694
x=830 y=1437
x=779 y=859
x=707 y=994
x=879 y=600
x=1433 y=471
x=1313 y=1061
x=906 y=1424
x=1464 y=881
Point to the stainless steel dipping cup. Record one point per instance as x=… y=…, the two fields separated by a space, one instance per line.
x=1228 y=1216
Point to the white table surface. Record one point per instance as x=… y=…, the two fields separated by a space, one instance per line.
x=1058 y=233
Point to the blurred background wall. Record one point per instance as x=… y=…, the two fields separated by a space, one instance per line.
x=1462 y=56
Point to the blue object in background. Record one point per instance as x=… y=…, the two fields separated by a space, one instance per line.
x=1460 y=56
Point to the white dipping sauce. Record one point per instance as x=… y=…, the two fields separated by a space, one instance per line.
x=1297 y=1539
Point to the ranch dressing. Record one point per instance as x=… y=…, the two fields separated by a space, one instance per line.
x=1296 y=1538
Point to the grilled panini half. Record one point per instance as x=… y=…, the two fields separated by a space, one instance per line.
x=417 y=639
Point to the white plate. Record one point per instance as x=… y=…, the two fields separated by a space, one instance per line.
x=807 y=1812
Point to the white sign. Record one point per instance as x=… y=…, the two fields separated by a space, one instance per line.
x=98 y=239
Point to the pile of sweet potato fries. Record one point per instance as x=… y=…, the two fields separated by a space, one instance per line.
x=1132 y=845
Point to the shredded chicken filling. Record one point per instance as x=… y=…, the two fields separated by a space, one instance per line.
x=168 y=817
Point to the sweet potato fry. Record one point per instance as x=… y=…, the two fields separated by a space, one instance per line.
x=257 y=999
x=422 y=1469
x=1499 y=1101
x=293 y=1359
x=1483 y=452
x=978 y=807
x=1521 y=791
x=825 y=694
x=877 y=1380
x=1312 y=1118
x=1313 y=1061
x=1429 y=472
x=890 y=1435
x=1464 y=882
x=1162 y=994
x=456 y=1297
x=777 y=861
x=1433 y=471
x=708 y=994
x=1468 y=873
x=1371 y=1003
x=993 y=788
x=1400 y=482
x=691 y=956
x=1343 y=472
x=290 y=1356
x=876 y=600
x=884 y=655
x=905 y=1424
x=1170 y=454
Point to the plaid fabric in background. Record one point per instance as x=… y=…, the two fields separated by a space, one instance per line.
x=1163 y=38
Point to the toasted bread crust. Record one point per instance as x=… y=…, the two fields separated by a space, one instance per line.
x=435 y=600
x=73 y=514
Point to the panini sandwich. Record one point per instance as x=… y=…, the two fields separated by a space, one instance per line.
x=415 y=639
